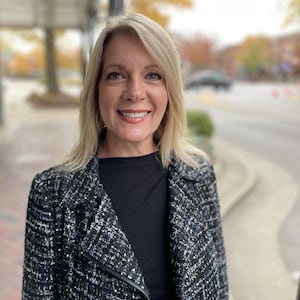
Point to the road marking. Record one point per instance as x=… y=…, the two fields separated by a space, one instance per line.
x=211 y=100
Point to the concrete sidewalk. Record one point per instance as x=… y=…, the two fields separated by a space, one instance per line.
x=34 y=139
x=255 y=199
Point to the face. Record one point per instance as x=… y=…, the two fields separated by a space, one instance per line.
x=132 y=97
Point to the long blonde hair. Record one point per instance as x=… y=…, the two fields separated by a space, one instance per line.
x=171 y=133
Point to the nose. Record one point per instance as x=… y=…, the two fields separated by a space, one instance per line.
x=134 y=90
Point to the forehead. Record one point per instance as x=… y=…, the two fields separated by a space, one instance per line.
x=125 y=46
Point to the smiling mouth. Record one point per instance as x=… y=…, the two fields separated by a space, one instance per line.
x=134 y=115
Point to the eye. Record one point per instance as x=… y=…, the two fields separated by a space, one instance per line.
x=154 y=76
x=114 y=76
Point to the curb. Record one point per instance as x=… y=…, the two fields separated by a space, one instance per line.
x=227 y=155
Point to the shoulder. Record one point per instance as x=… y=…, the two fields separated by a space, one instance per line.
x=51 y=176
x=200 y=169
x=49 y=182
x=55 y=181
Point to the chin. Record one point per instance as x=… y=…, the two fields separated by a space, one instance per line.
x=138 y=139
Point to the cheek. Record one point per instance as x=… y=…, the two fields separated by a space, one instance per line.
x=105 y=102
x=164 y=103
x=161 y=97
x=103 y=109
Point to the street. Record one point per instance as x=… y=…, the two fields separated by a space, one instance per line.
x=264 y=120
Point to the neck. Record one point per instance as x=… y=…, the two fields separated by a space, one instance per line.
x=106 y=150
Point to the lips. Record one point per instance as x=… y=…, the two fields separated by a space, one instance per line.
x=134 y=116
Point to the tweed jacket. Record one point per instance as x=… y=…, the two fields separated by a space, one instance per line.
x=75 y=247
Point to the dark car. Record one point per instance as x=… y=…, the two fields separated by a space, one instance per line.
x=210 y=78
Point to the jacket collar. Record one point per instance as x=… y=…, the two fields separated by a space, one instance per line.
x=178 y=169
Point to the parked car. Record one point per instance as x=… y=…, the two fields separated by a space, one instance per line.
x=209 y=78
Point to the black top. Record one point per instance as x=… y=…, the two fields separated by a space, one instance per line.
x=138 y=188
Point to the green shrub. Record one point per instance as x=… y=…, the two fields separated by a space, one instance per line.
x=201 y=129
x=200 y=123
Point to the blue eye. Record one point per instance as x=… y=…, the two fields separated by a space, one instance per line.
x=114 y=76
x=154 y=76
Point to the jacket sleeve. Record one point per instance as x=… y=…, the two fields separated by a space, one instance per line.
x=215 y=228
x=40 y=259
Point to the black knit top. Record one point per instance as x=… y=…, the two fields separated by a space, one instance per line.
x=138 y=188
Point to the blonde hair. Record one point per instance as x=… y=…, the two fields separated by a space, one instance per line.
x=171 y=132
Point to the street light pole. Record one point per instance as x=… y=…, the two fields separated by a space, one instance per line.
x=116 y=7
x=1 y=91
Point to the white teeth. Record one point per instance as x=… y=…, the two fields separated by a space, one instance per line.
x=134 y=114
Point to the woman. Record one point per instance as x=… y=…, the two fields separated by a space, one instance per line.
x=133 y=212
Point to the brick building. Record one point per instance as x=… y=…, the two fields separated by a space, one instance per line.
x=285 y=58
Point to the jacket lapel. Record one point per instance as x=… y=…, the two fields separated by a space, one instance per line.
x=105 y=242
x=192 y=251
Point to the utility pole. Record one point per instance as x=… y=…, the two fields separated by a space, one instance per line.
x=116 y=7
x=1 y=92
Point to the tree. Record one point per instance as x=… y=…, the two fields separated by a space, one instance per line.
x=293 y=13
x=255 y=55
x=69 y=60
x=153 y=9
x=35 y=38
x=116 y=7
x=5 y=51
x=198 y=51
x=31 y=60
x=52 y=83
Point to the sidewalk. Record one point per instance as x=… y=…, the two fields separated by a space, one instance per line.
x=256 y=196
x=35 y=139
x=32 y=141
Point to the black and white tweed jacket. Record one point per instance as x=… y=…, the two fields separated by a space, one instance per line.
x=76 y=249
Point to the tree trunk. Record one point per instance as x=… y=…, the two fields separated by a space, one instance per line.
x=51 y=78
x=116 y=7
x=1 y=93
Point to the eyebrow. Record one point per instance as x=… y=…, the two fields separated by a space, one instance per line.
x=122 y=67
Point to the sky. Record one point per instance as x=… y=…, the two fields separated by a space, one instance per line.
x=230 y=21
